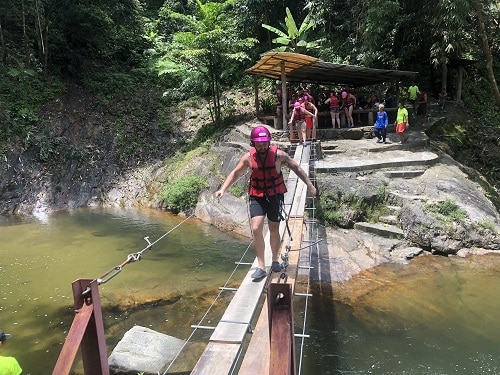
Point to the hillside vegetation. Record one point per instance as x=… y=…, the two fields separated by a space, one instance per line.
x=97 y=89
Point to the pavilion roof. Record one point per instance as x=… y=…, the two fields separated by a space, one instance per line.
x=308 y=69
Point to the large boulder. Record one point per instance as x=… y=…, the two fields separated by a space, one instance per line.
x=142 y=350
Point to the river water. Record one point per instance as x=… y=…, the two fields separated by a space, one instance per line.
x=434 y=316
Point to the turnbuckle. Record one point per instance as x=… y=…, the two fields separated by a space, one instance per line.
x=104 y=278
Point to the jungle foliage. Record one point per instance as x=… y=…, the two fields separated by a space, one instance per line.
x=192 y=48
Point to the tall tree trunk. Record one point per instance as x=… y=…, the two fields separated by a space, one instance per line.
x=3 y=56
x=444 y=73
x=487 y=51
x=41 y=33
x=27 y=54
x=460 y=80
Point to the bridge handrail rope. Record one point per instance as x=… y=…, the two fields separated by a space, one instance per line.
x=197 y=326
x=134 y=257
x=113 y=272
x=308 y=288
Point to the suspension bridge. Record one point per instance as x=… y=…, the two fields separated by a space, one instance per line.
x=256 y=334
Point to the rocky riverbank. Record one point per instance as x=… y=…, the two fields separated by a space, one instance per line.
x=416 y=177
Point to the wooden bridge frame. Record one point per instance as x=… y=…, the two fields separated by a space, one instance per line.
x=226 y=345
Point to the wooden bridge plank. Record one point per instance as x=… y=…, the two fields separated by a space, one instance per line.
x=257 y=356
x=218 y=359
x=233 y=333
x=241 y=308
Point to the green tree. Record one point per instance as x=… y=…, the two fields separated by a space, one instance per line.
x=483 y=36
x=293 y=39
x=376 y=32
x=209 y=46
x=448 y=22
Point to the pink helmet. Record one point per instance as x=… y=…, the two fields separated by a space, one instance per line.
x=296 y=105
x=260 y=134
x=344 y=94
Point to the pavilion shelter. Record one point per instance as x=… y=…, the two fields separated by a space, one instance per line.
x=295 y=67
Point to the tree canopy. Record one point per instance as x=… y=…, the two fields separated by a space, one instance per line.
x=200 y=47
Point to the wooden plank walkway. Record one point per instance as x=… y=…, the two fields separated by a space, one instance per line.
x=230 y=336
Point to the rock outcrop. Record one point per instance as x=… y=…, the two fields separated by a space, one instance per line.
x=415 y=178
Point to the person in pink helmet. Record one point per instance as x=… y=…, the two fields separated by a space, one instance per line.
x=266 y=190
x=298 y=118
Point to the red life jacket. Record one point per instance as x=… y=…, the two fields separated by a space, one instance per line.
x=265 y=179
x=334 y=102
x=300 y=115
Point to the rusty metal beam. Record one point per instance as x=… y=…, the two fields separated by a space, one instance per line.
x=86 y=333
x=281 y=329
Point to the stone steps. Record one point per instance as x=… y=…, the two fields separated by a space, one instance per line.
x=390 y=159
x=397 y=198
x=404 y=173
x=383 y=230
x=389 y=219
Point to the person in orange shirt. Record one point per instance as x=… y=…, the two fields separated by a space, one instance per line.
x=402 y=123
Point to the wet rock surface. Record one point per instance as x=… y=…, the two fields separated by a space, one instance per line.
x=415 y=177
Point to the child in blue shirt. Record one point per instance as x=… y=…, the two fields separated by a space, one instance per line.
x=381 y=124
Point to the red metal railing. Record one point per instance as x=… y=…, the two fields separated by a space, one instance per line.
x=86 y=332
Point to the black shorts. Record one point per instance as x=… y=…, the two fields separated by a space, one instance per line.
x=270 y=206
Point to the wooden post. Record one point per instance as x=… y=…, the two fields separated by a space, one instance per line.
x=284 y=97
x=256 y=94
x=281 y=329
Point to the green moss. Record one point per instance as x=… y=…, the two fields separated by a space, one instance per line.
x=334 y=209
x=237 y=190
x=487 y=224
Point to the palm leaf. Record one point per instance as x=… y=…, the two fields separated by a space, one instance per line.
x=291 y=25
x=275 y=30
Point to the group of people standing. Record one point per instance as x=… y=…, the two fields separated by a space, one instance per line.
x=304 y=113
x=347 y=102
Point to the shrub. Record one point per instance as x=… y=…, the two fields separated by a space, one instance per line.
x=342 y=210
x=237 y=190
x=448 y=210
x=182 y=193
x=267 y=105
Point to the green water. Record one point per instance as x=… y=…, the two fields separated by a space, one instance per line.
x=39 y=259
x=434 y=316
